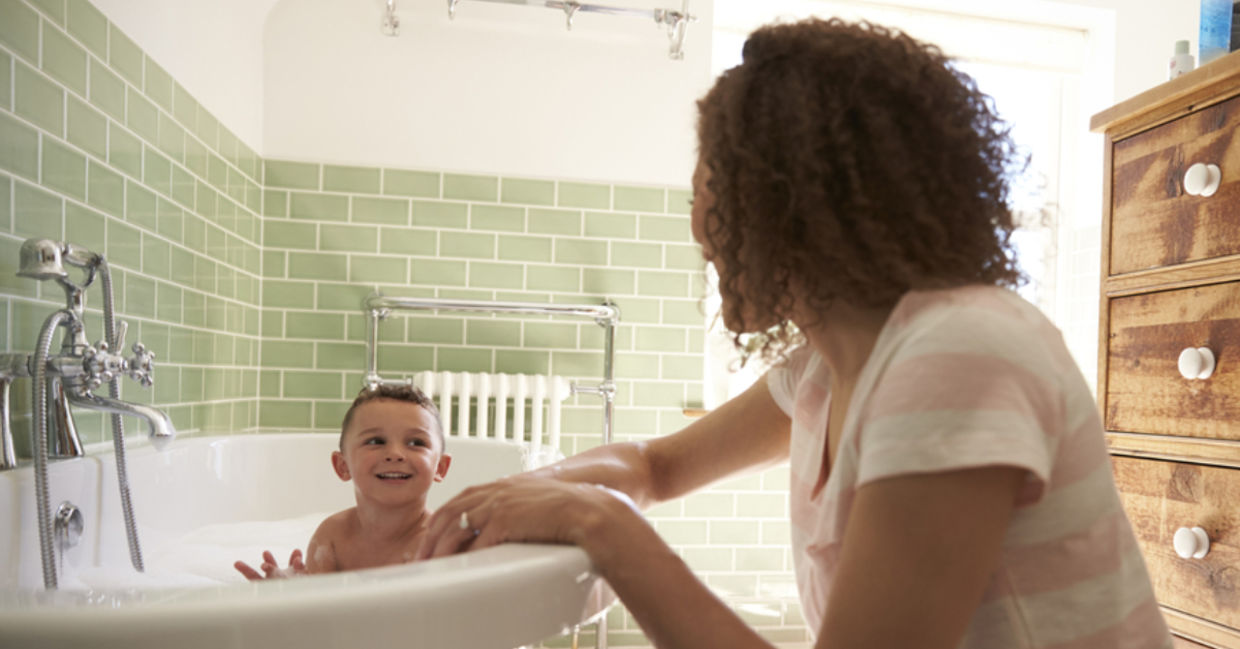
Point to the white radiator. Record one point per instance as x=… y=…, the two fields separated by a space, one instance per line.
x=496 y=394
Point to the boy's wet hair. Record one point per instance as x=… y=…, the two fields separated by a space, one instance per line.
x=403 y=392
x=852 y=163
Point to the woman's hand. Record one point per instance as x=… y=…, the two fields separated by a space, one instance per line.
x=272 y=569
x=674 y=608
x=526 y=508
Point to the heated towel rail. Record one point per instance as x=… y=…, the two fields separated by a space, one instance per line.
x=378 y=307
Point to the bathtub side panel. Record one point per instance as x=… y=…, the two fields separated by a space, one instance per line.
x=73 y=481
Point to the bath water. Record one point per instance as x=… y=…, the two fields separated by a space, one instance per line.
x=203 y=557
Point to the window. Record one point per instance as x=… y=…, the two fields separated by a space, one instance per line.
x=1041 y=74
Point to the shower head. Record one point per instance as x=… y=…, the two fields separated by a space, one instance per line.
x=47 y=259
x=41 y=259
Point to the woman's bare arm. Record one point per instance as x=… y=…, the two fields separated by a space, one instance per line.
x=575 y=502
x=748 y=432
x=917 y=557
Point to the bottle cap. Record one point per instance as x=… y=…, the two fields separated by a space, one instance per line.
x=1181 y=47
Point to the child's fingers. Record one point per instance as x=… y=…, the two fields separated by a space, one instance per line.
x=249 y=573
x=295 y=561
x=268 y=557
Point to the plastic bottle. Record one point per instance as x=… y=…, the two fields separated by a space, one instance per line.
x=1181 y=62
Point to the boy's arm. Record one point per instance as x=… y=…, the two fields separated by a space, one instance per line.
x=321 y=552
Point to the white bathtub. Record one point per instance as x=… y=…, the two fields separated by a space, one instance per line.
x=205 y=490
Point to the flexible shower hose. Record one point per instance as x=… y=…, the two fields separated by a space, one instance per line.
x=41 y=352
x=118 y=424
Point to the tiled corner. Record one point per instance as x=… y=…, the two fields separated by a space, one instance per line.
x=95 y=149
x=249 y=273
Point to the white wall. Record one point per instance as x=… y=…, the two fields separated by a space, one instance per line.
x=1145 y=36
x=213 y=48
x=500 y=89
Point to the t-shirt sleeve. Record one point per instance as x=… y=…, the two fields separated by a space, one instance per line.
x=783 y=379
x=965 y=390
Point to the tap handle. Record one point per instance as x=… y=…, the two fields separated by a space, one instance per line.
x=122 y=328
x=102 y=366
x=141 y=366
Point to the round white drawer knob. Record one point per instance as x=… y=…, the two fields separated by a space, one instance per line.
x=1196 y=363
x=1191 y=543
x=1202 y=179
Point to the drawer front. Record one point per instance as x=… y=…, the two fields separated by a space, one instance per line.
x=1145 y=392
x=1161 y=497
x=1154 y=222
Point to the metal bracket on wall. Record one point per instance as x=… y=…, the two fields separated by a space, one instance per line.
x=677 y=22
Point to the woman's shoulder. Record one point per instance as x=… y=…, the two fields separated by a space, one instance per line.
x=985 y=323
x=986 y=315
x=973 y=299
x=784 y=378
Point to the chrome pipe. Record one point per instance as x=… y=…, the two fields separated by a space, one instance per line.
x=39 y=404
x=654 y=14
x=160 y=434
x=373 y=316
x=65 y=441
x=12 y=366
x=8 y=457
x=597 y=311
x=608 y=388
x=607 y=315
x=159 y=426
x=677 y=22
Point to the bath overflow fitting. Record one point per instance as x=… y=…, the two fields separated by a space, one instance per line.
x=69 y=525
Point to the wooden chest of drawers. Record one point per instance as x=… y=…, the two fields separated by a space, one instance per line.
x=1170 y=306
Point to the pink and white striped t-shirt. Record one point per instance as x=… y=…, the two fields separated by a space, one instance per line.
x=971 y=377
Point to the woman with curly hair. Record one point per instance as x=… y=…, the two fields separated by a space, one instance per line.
x=950 y=483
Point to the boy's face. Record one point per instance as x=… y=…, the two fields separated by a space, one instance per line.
x=393 y=452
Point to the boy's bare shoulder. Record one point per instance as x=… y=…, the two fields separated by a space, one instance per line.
x=338 y=524
x=333 y=534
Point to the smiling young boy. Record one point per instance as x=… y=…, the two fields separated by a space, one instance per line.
x=392 y=448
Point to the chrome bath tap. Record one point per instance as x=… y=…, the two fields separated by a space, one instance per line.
x=79 y=368
x=70 y=378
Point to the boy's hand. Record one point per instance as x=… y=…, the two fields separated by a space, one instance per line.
x=272 y=570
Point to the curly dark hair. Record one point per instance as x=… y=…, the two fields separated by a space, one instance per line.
x=396 y=392
x=856 y=163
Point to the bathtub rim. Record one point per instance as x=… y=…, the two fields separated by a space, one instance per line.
x=244 y=611
x=252 y=613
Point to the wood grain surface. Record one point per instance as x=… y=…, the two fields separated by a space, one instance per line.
x=1181 y=643
x=1145 y=392
x=1154 y=222
x=1161 y=497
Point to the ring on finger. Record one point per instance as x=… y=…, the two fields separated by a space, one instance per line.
x=464 y=523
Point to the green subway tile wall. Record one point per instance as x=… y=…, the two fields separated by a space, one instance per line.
x=101 y=147
x=245 y=275
x=479 y=237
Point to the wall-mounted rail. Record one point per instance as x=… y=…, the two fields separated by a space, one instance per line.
x=379 y=307
x=675 y=21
